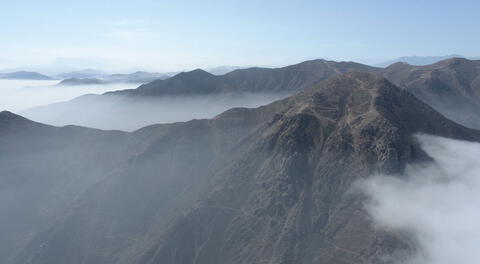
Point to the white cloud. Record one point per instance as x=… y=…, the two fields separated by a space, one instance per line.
x=438 y=203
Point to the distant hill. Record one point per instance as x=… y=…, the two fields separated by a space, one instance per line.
x=452 y=87
x=136 y=77
x=252 y=80
x=80 y=81
x=24 y=75
x=86 y=73
x=220 y=70
x=419 y=60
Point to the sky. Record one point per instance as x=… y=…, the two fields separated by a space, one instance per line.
x=186 y=34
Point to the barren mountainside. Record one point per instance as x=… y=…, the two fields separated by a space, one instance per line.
x=263 y=185
x=452 y=87
x=253 y=80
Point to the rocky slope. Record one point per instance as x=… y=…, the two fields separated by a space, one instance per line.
x=451 y=87
x=263 y=185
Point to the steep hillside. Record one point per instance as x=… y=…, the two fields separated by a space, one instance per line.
x=263 y=185
x=451 y=87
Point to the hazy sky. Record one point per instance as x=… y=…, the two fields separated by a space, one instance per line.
x=176 y=35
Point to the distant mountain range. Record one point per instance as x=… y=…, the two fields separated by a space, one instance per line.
x=220 y=70
x=263 y=185
x=136 y=77
x=92 y=76
x=252 y=80
x=422 y=60
x=451 y=86
x=86 y=73
x=97 y=77
x=24 y=75
x=81 y=81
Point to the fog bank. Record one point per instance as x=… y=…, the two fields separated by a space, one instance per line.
x=131 y=113
x=18 y=95
x=437 y=203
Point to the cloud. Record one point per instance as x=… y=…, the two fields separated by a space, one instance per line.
x=438 y=203
x=18 y=95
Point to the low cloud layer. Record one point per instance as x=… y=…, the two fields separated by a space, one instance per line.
x=438 y=204
x=18 y=95
x=50 y=103
x=131 y=113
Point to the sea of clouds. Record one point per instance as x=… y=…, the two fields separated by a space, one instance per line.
x=438 y=203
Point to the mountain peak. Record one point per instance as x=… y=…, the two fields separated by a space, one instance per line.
x=359 y=100
x=197 y=72
x=8 y=119
x=194 y=74
x=453 y=61
x=8 y=115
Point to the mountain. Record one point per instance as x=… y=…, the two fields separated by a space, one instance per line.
x=80 y=74
x=419 y=60
x=253 y=80
x=221 y=70
x=451 y=87
x=24 y=75
x=136 y=77
x=81 y=81
x=269 y=184
x=187 y=95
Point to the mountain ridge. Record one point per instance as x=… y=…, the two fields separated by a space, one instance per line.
x=250 y=185
x=420 y=60
x=286 y=79
x=24 y=75
x=450 y=86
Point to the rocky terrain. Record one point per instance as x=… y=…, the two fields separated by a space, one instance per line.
x=451 y=87
x=263 y=185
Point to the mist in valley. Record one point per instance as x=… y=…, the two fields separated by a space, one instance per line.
x=20 y=95
x=114 y=112
x=60 y=105
x=435 y=203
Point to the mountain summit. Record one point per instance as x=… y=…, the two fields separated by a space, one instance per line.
x=252 y=80
x=452 y=87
